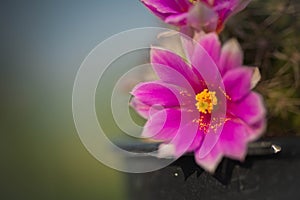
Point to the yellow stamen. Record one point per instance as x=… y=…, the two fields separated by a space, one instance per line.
x=213 y=124
x=193 y=1
x=206 y=100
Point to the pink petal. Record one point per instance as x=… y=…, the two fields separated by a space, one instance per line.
x=173 y=12
x=228 y=8
x=162 y=125
x=178 y=19
x=211 y=43
x=155 y=11
x=238 y=82
x=171 y=68
x=202 y=17
x=224 y=9
x=140 y=107
x=166 y=6
x=197 y=141
x=174 y=126
x=190 y=39
x=232 y=143
x=231 y=56
x=250 y=109
x=204 y=63
x=188 y=43
x=160 y=94
x=186 y=137
x=233 y=140
x=211 y=161
x=184 y=4
x=256 y=130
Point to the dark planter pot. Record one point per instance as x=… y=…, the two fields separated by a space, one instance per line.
x=264 y=175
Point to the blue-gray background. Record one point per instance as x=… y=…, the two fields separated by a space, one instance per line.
x=42 y=44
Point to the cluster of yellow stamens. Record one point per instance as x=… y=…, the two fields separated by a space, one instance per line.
x=210 y=124
x=206 y=101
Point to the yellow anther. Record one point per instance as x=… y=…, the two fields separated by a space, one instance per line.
x=206 y=101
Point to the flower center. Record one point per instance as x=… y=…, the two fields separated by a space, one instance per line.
x=193 y=1
x=206 y=101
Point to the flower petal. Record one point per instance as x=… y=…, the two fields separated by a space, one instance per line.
x=211 y=43
x=255 y=78
x=186 y=137
x=238 y=82
x=202 y=17
x=141 y=108
x=166 y=151
x=166 y=6
x=256 y=130
x=160 y=94
x=197 y=141
x=210 y=162
x=233 y=140
x=162 y=125
x=231 y=56
x=171 y=68
x=204 y=62
x=250 y=109
x=173 y=125
x=178 y=19
x=155 y=11
x=232 y=143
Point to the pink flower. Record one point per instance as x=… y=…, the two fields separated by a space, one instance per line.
x=207 y=15
x=206 y=107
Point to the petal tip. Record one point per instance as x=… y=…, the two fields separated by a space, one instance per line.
x=233 y=45
x=166 y=151
x=255 y=77
x=209 y=165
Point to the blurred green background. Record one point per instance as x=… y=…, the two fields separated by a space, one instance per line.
x=43 y=43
